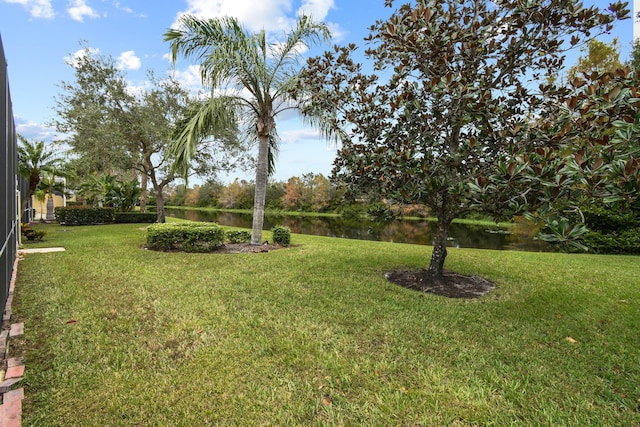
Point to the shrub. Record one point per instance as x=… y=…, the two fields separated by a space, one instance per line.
x=32 y=234
x=135 y=217
x=189 y=237
x=612 y=230
x=281 y=235
x=625 y=242
x=239 y=236
x=84 y=215
x=607 y=220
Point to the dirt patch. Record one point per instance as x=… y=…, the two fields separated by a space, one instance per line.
x=451 y=285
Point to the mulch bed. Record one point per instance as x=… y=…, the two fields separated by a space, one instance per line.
x=451 y=285
x=240 y=248
x=244 y=248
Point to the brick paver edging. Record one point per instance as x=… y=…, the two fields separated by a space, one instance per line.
x=12 y=369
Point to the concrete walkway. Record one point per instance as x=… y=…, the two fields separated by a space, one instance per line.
x=40 y=250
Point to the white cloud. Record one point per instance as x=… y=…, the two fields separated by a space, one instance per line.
x=128 y=61
x=126 y=9
x=271 y=15
x=294 y=136
x=35 y=131
x=79 y=9
x=189 y=78
x=274 y=16
x=119 y=6
x=137 y=90
x=37 y=8
x=317 y=9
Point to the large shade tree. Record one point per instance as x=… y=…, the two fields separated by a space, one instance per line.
x=250 y=80
x=113 y=129
x=455 y=88
x=88 y=114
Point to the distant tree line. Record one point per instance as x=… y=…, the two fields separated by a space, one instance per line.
x=309 y=192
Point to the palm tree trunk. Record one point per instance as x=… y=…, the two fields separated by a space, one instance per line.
x=262 y=171
x=50 y=216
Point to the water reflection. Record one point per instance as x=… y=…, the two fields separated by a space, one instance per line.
x=402 y=231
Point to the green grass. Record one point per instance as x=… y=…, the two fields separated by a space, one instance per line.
x=313 y=335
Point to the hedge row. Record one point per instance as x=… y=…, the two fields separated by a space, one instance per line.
x=86 y=215
x=189 y=237
x=625 y=242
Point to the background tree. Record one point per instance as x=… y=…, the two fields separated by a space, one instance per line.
x=89 y=112
x=51 y=183
x=250 y=79
x=599 y=57
x=321 y=192
x=209 y=193
x=115 y=130
x=191 y=198
x=34 y=159
x=456 y=106
x=292 y=198
x=237 y=195
x=159 y=117
x=275 y=192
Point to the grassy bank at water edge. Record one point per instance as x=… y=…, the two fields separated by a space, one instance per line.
x=314 y=335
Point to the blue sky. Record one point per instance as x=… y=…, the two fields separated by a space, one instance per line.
x=40 y=35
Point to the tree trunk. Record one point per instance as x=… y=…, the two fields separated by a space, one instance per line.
x=439 y=254
x=144 y=179
x=262 y=171
x=160 y=205
x=34 y=180
x=50 y=216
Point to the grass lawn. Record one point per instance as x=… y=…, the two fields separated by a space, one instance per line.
x=313 y=335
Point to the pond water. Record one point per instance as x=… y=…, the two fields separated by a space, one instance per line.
x=419 y=232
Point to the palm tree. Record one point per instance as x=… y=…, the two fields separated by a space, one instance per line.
x=34 y=159
x=50 y=184
x=40 y=196
x=250 y=80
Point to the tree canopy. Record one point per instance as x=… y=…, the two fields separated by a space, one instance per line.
x=114 y=129
x=455 y=92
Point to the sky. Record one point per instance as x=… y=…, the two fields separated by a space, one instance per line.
x=39 y=37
